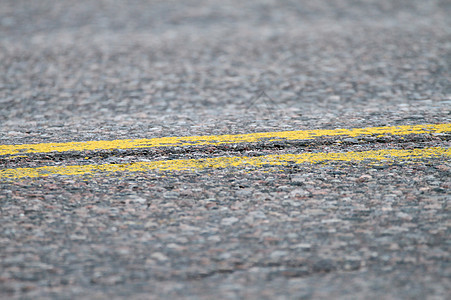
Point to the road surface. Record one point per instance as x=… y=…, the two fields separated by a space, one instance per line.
x=234 y=149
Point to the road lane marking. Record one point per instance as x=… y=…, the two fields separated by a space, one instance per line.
x=221 y=139
x=226 y=162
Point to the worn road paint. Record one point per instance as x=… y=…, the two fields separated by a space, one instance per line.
x=220 y=139
x=225 y=162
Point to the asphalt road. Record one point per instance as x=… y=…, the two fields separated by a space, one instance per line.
x=74 y=71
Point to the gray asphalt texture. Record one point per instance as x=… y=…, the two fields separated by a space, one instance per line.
x=92 y=70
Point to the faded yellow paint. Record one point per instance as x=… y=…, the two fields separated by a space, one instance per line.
x=227 y=162
x=221 y=139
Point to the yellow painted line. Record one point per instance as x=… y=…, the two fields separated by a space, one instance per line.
x=220 y=139
x=226 y=162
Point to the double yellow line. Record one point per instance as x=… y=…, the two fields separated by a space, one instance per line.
x=215 y=140
x=224 y=162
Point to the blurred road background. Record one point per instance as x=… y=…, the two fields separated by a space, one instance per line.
x=102 y=70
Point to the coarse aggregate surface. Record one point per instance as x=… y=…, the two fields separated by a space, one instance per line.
x=294 y=232
x=106 y=70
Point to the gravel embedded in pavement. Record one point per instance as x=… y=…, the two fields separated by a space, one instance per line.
x=94 y=70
